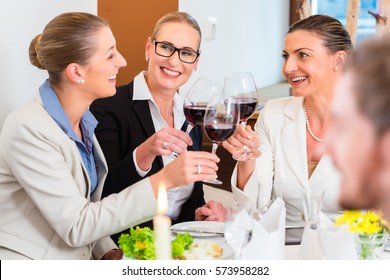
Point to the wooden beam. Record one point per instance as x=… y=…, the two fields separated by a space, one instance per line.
x=382 y=17
x=352 y=19
x=304 y=8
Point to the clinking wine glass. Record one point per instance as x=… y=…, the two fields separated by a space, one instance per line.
x=242 y=87
x=238 y=229
x=220 y=122
x=196 y=100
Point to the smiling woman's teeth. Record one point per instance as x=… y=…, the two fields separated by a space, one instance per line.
x=173 y=73
x=296 y=79
x=112 y=77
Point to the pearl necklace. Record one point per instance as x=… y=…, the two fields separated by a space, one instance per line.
x=309 y=128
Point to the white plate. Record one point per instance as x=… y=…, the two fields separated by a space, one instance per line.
x=227 y=252
x=200 y=225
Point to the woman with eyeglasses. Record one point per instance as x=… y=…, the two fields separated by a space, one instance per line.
x=143 y=124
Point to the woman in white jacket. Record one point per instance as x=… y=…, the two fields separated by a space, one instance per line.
x=290 y=131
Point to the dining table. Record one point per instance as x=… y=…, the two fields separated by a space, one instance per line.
x=291 y=249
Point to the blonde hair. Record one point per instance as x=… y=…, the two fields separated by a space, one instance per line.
x=177 y=17
x=68 y=38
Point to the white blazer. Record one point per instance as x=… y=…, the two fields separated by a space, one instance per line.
x=47 y=211
x=282 y=168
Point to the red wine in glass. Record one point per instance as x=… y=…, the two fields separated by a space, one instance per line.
x=220 y=122
x=218 y=133
x=241 y=86
x=195 y=114
x=195 y=102
x=247 y=107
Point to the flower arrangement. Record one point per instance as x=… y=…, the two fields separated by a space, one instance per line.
x=371 y=232
x=365 y=223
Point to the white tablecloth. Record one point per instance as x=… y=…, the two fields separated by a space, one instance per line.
x=291 y=253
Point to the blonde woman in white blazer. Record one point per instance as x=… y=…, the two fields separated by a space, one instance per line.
x=290 y=131
x=52 y=169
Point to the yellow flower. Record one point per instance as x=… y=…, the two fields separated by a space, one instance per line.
x=367 y=223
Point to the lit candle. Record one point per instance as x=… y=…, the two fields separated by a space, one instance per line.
x=162 y=227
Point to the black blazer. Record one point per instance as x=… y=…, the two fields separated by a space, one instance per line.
x=123 y=125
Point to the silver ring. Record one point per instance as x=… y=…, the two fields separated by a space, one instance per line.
x=165 y=145
x=198 y=169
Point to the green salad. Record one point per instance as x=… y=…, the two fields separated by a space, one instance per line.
x=139 y=244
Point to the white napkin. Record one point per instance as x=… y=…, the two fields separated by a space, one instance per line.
x=268 y=235
x=329 y=242
x=337 y=241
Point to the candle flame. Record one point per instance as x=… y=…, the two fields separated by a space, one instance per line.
x=162 y=200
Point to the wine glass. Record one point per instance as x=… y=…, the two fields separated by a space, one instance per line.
x=238 y=229
x=312 y=203
x=220 y=122
x=311 y=245
x=242 y=87
x=195 y=103
x=196 y=100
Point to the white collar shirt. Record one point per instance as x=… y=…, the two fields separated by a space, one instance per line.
x=176 y=196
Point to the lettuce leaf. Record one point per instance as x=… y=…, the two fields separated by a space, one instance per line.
x=181 y=243
x=139 y=244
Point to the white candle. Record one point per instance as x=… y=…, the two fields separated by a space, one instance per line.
x=162 y=227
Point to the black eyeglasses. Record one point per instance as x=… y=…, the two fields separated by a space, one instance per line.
x=167 y=50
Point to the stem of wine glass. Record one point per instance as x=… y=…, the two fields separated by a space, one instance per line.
x=215 y=181
x=238 y=254
x=214 y=147
x=189 y=128
x=245 y=149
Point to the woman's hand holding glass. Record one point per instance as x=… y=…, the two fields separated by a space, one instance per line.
x=189 y=167
x=244 y=136
x=162 y=143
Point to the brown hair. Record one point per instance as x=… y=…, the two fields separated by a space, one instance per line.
x=177 y=17
x=329 y=29
x=370 y=67
x=68 y=38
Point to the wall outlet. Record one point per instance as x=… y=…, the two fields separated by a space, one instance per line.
x=210 y=30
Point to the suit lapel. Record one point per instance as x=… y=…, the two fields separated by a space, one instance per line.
x=294 y=140
x=101 y=170
x=142 y=112
x=324 y=169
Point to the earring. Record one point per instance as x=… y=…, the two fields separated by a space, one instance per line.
x=193 y=70
x=147 y=58
x=80 y=81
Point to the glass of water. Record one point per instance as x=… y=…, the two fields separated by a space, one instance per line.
x=238 y=229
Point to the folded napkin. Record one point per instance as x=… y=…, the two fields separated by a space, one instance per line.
x=338 y=242
x=329 y=242
x=268 y=234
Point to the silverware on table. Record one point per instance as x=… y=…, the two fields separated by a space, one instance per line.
x=198 y=231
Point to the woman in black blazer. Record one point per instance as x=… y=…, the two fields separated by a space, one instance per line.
x=144 y=123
